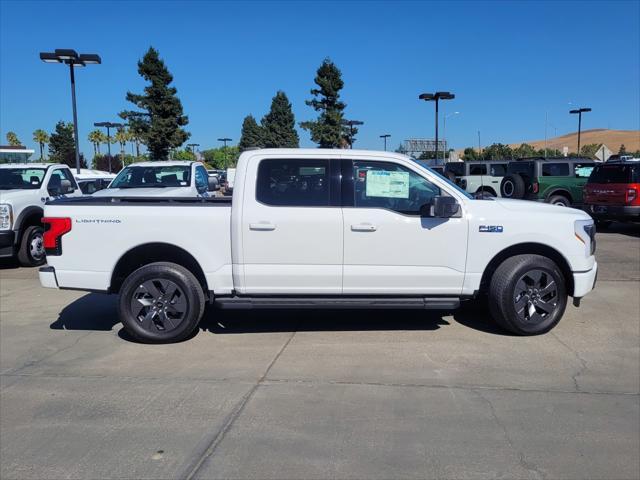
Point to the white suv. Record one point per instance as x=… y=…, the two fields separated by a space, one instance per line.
x=24 y=189
x=477 y=178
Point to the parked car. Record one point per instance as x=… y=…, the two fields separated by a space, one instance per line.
x=24 y=189
x=163 y=179
x=480 y=178
x=309 y=228
x=558 y=181
x=613 y=192
x=90 y=181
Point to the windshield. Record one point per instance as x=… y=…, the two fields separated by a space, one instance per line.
x=21 y=178
x=153 y=177
x=449 y=182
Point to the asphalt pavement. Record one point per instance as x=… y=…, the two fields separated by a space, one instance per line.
x=338 y=394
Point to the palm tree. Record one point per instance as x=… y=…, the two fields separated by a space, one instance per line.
x=122 y=137
x=41 y=138
x=95 y=137
x=12 y=138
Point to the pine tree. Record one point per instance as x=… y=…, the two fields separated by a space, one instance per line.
x=162 y=132
x=62 y=146
x=252 y=134
x=279 y=125
x=327 y=131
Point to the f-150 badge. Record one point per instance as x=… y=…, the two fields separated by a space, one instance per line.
x=490 y=228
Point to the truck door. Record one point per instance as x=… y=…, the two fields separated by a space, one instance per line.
x=292 y=228
x=388 y=247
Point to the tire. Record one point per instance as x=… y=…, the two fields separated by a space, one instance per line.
x=161 y=303
x=513 y=186
x=559 y=200
x=31 y=252
x=484 y=194
x=520 y=304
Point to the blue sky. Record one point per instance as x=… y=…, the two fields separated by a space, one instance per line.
x=507 y=62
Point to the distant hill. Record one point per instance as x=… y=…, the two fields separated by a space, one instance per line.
x=611 y=138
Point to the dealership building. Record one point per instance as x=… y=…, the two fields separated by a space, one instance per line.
x=15 y=154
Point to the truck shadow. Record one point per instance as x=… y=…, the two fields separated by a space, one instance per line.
x=98 y=312
x=628 y=229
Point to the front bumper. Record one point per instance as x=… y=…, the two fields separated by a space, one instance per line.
x=584 y=282
x=47 y=277
x=7 y=243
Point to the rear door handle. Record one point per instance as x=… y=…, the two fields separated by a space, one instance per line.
x=263 y=226
x=364 y=227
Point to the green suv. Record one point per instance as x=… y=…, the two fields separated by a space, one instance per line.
x=553 y=180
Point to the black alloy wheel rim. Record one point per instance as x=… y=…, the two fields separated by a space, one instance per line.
x=159 y=305
x=535 y=297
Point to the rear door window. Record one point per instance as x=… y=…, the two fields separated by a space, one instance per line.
x=477 y=169
x=293 y=183
x=523 y=168
x=498 y=170
x=555 y=169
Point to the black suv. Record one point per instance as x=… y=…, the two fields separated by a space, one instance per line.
x=553 y=180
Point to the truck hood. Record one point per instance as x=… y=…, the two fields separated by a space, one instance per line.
x=19 y=196
x=527 y=206
x=146 y=192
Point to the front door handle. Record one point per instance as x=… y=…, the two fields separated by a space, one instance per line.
x=364 y=227
x=262 y=226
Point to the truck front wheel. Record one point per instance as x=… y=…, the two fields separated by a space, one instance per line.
x=161 y=303
x=31 y=252
x=527 y=294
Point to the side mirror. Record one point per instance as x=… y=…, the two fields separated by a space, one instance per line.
x=214 y=185
x=440 y=207
x=65 y=186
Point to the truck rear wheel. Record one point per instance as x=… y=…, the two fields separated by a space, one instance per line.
x=31 y=252
x=527 y=294
x=161 y=303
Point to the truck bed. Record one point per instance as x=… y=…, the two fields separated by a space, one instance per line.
x=141 y=201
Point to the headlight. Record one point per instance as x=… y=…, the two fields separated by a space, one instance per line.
x=585 y=231
x=6 y=216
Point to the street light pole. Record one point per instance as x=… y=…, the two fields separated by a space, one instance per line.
x=436 y=97
x=385 y=136
x=225 y=140
x=351 y=124
x=193 y=148
x=71 y=58
x=579 y=111
x=109 y=125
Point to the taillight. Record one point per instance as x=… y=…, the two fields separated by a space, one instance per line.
x=631 y=195
x=54 y=229
x=535 y=187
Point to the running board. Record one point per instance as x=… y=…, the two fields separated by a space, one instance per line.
x=428 y=303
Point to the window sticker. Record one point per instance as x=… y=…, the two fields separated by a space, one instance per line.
x=381 y=183
x=584 y=171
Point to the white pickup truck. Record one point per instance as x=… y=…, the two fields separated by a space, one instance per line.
x=24 y=189
x=321 y=228
x=161 y=179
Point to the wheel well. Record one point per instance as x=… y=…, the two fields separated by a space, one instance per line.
x=486 y=188
x=150 y=253
x=564 y=193
x=32 y=218
x=528 y=249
